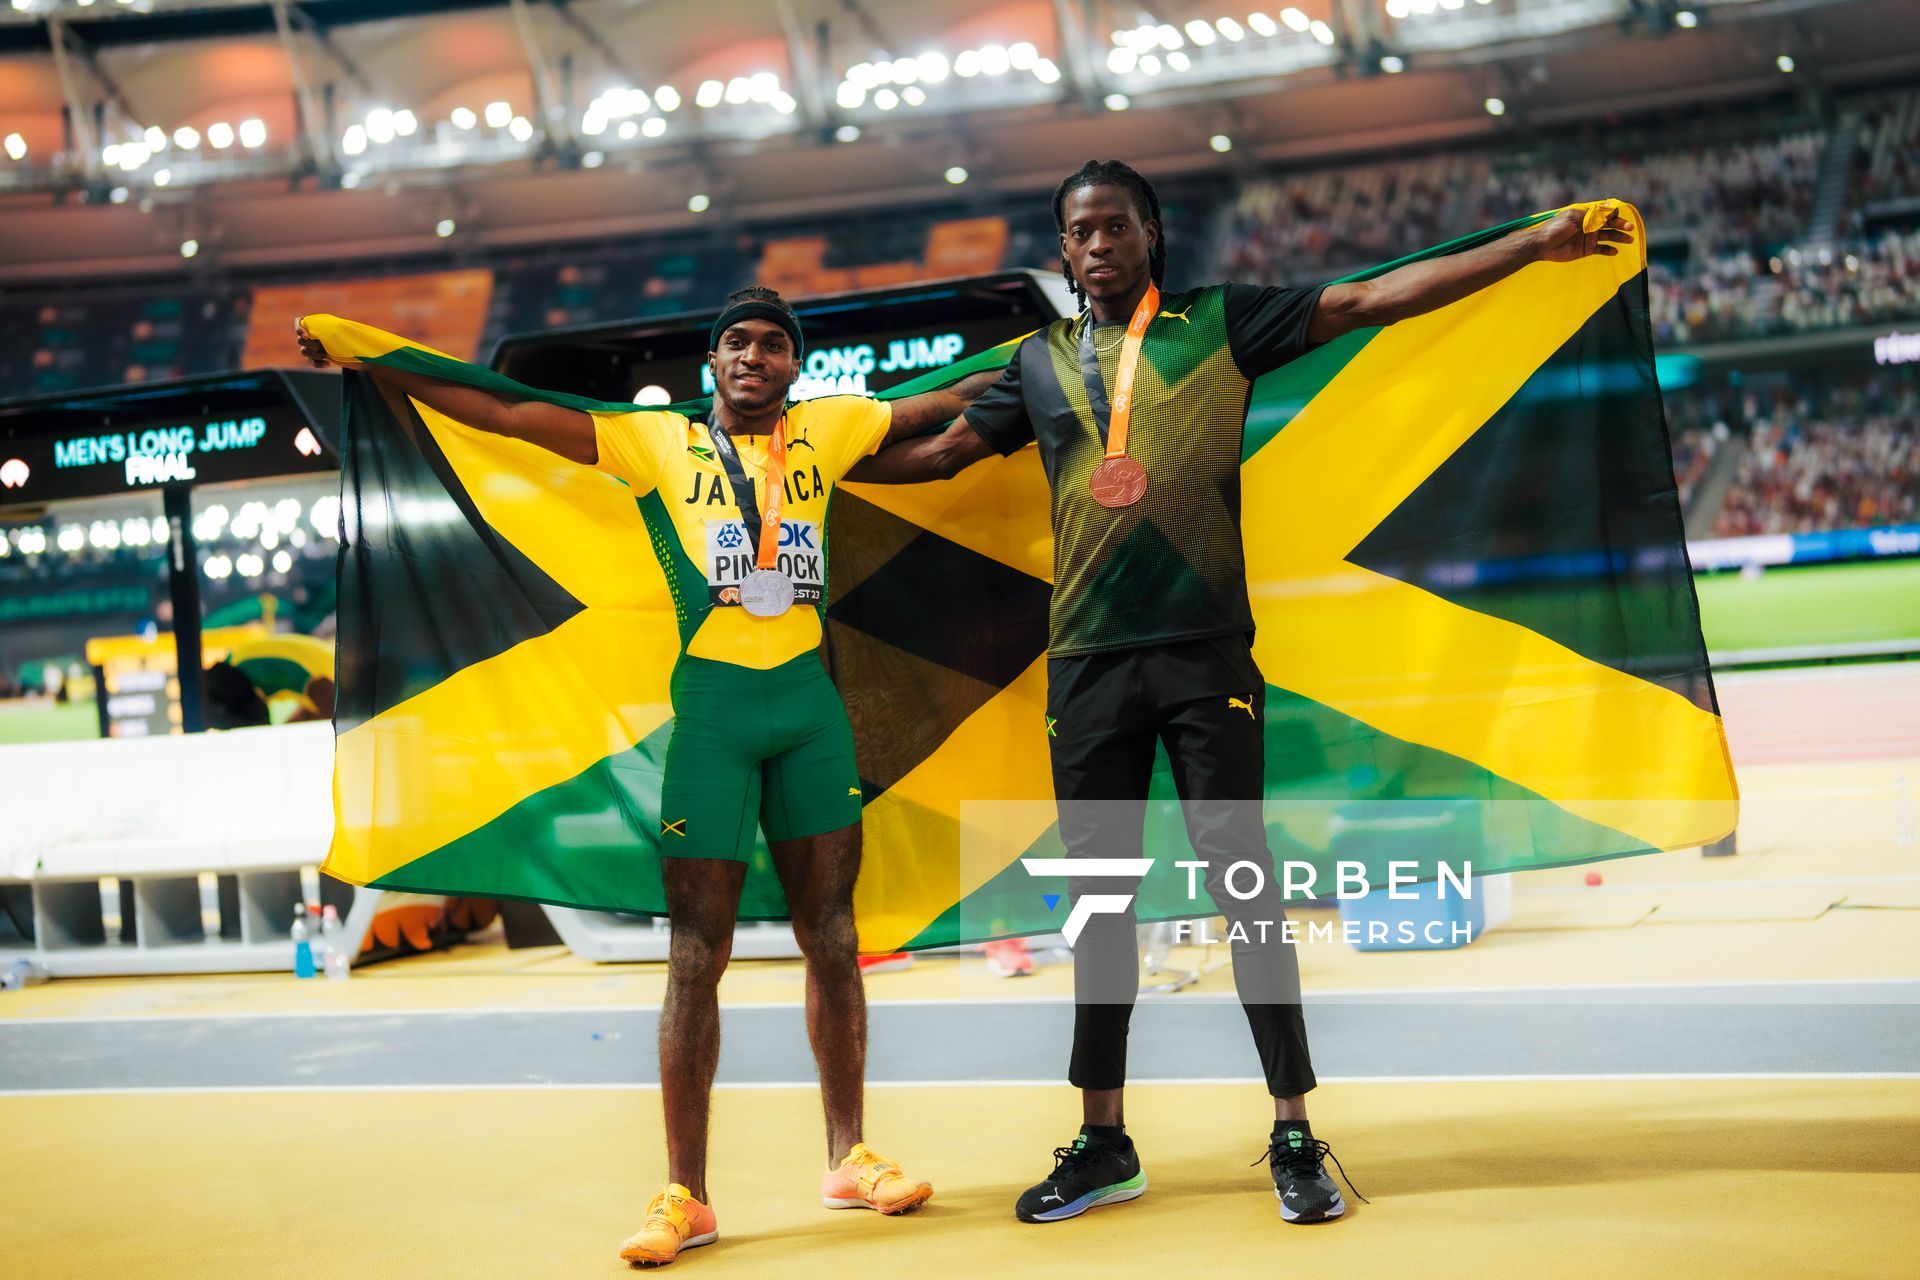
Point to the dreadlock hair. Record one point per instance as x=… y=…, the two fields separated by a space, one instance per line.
x=1113 y=173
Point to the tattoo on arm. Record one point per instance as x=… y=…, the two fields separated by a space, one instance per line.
x=932 y=456
x=933 y=410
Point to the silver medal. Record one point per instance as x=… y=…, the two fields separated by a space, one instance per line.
x=766 y=593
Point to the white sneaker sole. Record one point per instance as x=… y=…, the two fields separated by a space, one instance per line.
x=1339 y=1207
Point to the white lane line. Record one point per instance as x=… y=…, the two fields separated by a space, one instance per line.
x=812 y=1085
x=1313 y=996
x=1852 y=673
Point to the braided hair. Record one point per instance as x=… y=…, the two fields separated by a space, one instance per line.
x=757 y=302
x=1113 y=173
x=759 y=293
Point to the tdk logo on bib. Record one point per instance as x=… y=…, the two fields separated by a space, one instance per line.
x=732 y=555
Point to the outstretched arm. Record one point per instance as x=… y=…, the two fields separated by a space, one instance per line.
x=925 y=457
x=567 y=432
x=1420 y=287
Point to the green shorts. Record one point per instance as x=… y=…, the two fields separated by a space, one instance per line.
x=766 y=749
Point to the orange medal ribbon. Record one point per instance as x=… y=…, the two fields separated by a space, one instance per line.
x=1119 y=481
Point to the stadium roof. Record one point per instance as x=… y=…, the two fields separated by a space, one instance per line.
x=268 y=133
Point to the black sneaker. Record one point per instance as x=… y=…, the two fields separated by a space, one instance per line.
x=1085 y=1174
x=1300 y=1180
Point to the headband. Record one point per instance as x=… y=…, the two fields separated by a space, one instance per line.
x=758 y=309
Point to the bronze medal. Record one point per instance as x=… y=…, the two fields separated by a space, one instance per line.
x=1119 y=482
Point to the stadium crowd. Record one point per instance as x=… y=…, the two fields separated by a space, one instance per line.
x=1827 y=456
x=1733 y=257
x=1887 y=155
x=1751 y=295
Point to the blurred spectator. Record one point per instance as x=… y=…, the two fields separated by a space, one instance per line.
x=1755 y=195
x=231 y=700
x=1325 y=223
x=1887 y=166
x=1747 y=296
x=1724 y=220
x=1828 y=456
x=1693 y=451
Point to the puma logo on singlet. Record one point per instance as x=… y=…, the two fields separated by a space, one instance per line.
x=1181 y=316
x=1245 y=704
x=853 y=791
x=800 y=441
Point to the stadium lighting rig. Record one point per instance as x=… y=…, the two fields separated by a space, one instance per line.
x=372 y=130
x=932 y=82
x=1162 y=55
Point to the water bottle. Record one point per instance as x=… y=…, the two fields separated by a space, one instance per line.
x=17 y=973
x=333 y=942
x=302 y=943
x=1906 y=825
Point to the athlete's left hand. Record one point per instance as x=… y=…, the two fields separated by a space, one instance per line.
x=1560 y=238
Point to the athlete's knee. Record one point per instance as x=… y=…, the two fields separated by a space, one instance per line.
x=698 y=956
x=826 y=932
x=1224 y=832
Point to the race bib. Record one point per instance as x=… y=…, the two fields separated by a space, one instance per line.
x=731 y=556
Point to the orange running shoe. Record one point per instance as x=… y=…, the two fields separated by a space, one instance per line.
x=886 y=964
x=675 y=1221
x=866 y=1180
x=1009 y=958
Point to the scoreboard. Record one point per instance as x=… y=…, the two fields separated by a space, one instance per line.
x=856 y=344
x=193 y=431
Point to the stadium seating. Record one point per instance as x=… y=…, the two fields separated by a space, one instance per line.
x=1745 y=295
x=1729 y=224
x=1754 y=195
x=1828 y=456
x=1887 y=167
x=1734 y=258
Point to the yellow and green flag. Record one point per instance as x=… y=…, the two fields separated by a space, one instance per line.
x=1466 y=563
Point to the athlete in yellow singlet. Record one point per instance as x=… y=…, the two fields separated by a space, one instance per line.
x=760 y=739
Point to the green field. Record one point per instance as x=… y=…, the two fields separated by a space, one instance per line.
x=1817 y=605
x=42 y=721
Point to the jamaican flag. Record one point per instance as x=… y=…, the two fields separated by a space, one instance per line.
x=1467 y=570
